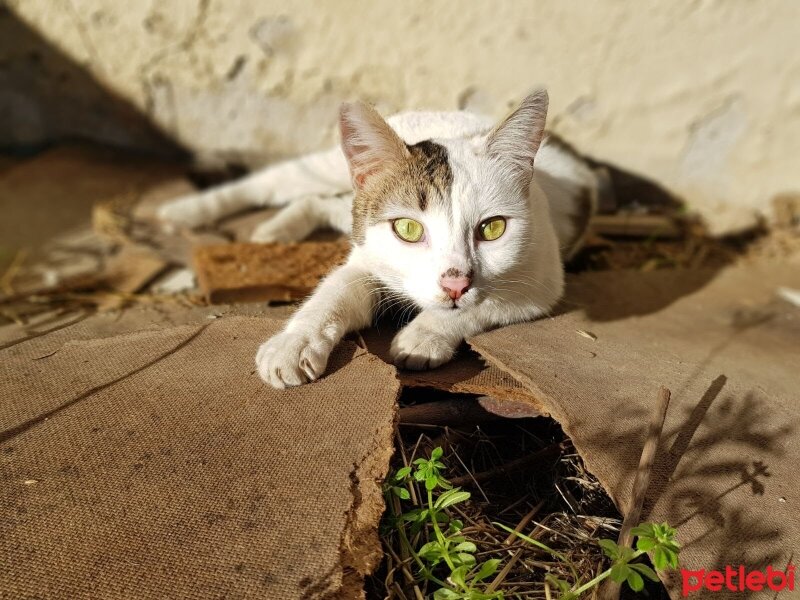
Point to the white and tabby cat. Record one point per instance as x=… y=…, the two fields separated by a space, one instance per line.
x=445 y=213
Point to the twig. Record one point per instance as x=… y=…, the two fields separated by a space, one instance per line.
x=403 y=565
x=511 y=537
x=627 y=225
x=478 y=485
x=641 y=482
x=504 y=572
x=524 y=522
x=446 y=412
x=444 y=440
x=514 y=504
x=509 y=467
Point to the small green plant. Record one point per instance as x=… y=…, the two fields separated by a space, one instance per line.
x=447 y=547
x=447 y=558
x=657 y=540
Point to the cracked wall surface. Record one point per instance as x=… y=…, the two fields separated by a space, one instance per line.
x=703 y=96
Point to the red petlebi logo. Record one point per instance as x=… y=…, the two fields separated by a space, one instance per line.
x=738 y=580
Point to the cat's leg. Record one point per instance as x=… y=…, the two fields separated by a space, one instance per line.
x=343 y=302
x=303 y=216
x=432 y=338
x=320 y=174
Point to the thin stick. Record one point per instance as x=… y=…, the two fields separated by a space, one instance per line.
x=642 y=480
x=478 y=485
x=403 y=565
x=514 y=465
x=504 y=572
x=511 y=537
x=523 y=523
x=446 y=412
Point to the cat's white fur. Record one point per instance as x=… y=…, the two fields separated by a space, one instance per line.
x=517 y=277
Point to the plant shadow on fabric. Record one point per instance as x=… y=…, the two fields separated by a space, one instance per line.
x=710 y=455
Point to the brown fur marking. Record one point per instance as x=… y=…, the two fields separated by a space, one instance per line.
x=453 y=272
x=424 y=177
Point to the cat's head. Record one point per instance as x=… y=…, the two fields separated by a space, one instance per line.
x=442 y=222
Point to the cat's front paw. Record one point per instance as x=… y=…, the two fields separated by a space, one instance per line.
x=292 y=358
x=275 y=230
x=416 y=347
x=183 y=212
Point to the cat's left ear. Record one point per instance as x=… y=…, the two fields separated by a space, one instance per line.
x=516 y=140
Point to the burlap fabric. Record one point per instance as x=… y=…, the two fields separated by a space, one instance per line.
x=157 y=465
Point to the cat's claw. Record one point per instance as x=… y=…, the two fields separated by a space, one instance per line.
x=292 y=358
x=417 y=348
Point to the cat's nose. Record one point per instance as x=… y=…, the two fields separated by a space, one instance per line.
x=455 y=287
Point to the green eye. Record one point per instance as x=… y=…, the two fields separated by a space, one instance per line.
x=491 y=229
x=408 y=229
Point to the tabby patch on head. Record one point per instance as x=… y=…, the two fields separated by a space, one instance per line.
x=389 y=175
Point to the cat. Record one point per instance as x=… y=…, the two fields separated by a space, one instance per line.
x=467 y=223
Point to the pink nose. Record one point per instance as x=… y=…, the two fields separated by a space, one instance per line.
x=455 y=286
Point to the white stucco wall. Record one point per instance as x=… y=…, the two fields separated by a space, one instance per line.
x=702 y=95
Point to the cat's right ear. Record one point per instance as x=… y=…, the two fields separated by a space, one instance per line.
x=368 y=142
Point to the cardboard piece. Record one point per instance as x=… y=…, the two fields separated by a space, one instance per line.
x=132 y=268
x=156 y=464
x=174 y=245
x=729 y=349
x=243 y=272
x=467 y=374
x=57 y=328
x=241 y=503
x=134 y=221
x=70 y=261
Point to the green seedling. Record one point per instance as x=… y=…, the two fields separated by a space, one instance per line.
x=446 y=558
x=446 y=549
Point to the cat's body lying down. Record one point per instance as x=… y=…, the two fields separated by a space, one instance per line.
x=445 y=214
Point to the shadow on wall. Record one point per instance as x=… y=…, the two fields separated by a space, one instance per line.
x=46 y=97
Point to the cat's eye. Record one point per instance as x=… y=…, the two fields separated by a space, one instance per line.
x=408 y=230
x=491 y=229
